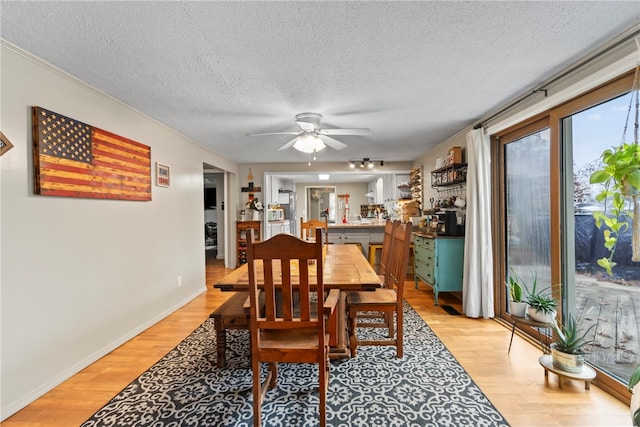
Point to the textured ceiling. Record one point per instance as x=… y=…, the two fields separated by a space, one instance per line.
x=415 y=73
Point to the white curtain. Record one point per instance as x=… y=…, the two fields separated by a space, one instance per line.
x=477 y=286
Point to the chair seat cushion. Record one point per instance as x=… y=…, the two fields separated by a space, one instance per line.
x=379 y=296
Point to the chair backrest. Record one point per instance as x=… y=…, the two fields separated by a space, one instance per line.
x=283 y=268
x=308 y=229
x=397 y=267
x=389 y=228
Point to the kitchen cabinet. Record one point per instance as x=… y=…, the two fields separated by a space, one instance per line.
x=242 y=228
x=439 y=263
x=356 y=234
x=277 y=227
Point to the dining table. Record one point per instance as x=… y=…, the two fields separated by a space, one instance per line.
x=344 y=267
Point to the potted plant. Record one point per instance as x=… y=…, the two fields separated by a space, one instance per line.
x=256 y=206
x=634 y=388
x=620 y=175
x=517 y=304
x=542 y=306
x=567 y=349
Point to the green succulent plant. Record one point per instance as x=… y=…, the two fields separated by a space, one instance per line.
x=570 y=338
x=540 y=300
x=514 y=287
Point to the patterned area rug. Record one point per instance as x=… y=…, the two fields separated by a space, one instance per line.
x=426 y=388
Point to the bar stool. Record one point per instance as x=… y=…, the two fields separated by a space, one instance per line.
x=374 y=247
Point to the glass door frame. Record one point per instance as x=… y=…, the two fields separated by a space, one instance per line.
x=561 y=191
x=499 y=141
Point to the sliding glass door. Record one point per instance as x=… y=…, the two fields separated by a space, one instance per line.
x=609 y=302
x=547 y=230
x=527 y=207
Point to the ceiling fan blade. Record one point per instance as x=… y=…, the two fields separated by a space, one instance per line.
x=360 y=132
x=333 y=143
x=288 y=144
x=274 y=133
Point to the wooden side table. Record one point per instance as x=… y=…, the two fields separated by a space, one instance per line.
x=586 y=375
x=526 y=320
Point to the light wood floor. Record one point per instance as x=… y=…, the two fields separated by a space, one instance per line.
x=515 y=383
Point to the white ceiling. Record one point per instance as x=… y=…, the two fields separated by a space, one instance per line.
x=415 y=73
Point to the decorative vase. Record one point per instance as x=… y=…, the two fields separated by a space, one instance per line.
x=539 y=316
x=256 y=215
x=567 y=362
x=518 y=309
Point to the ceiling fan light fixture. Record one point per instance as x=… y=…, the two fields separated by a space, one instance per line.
x=309 y=143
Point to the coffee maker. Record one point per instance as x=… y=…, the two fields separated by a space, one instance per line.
x=450 y=223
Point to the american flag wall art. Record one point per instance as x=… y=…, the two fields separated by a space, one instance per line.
x=73 y=159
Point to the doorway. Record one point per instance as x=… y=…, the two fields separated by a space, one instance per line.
x=213 y=202
x=320 y=203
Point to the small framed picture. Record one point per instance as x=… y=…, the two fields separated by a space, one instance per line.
x=163 y=175
x=5 y=144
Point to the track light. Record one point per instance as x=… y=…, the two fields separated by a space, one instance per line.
x=370 y=164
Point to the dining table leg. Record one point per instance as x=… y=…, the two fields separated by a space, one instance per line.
x=338 y=328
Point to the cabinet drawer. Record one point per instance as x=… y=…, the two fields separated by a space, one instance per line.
x=430 y=244
x=420 y=254
x=425 y=272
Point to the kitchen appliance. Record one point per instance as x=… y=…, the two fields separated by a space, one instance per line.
x=450 y=223
x=276 y=214
x=287 y=201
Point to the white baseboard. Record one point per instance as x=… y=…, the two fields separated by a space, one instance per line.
x=12 y=407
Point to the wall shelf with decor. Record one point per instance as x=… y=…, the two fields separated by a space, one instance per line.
x=453 y=174
x=415 y=181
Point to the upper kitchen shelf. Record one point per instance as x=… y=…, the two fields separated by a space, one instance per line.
x=452 y=174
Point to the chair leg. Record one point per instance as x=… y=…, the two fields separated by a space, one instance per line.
x=323 y=381
x=273 y=368
x=388 y=318
x=353 y=340
x=399 y=333
x=257 y=392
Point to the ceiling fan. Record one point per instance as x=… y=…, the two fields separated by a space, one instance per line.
x=310 y=138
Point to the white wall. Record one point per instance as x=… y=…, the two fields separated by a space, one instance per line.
x=79 y=276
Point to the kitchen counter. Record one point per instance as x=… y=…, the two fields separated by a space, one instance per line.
x=363 y=223
x=361 y=232
x=431 y=235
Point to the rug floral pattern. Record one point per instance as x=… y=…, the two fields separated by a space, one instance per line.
x=427 y=387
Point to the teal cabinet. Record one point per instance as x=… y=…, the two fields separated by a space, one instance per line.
x=439 y=262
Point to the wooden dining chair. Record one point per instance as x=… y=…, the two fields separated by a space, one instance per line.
x=389 y=228
x=388 y=299
x=386 y=317
x=308 y=229
x=290 y=326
